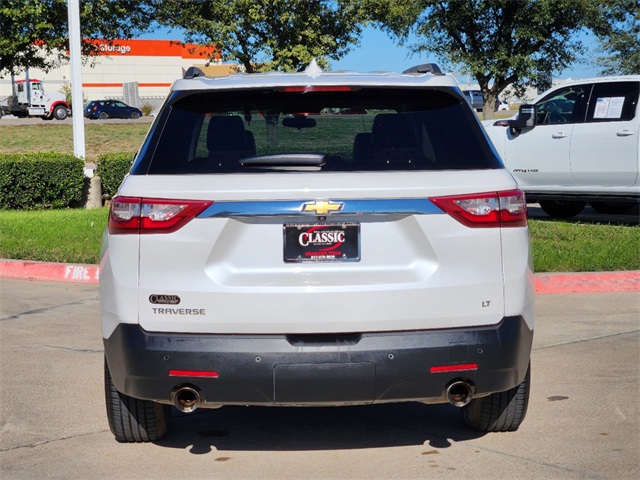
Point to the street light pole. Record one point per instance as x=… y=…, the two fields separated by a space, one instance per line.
x=75 y=59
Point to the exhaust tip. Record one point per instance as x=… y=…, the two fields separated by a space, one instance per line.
x=186 y=399
x=459 y=393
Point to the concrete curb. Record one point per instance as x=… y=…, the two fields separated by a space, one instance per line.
x=543 y=282
x=51 y=272
x=602 y=282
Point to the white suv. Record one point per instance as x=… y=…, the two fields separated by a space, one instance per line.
x=316 y=239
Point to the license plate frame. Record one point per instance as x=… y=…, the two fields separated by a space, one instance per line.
x=321 y=242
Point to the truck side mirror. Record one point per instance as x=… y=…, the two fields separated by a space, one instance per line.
x=526 y=119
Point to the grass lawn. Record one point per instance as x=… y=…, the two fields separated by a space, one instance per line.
x=99 y=138
x=106 y=137
x=68 y=236
x=74 y=236
x=584 y=247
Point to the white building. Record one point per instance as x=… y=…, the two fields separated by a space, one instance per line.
x=153 y=64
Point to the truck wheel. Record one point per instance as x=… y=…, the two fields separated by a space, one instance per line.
x=612 y=208
x=60 y=112
x=557 y=209
x=501 y=411
x=131 y=419
x=103 y=115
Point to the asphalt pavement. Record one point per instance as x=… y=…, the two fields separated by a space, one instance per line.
x=583 y=420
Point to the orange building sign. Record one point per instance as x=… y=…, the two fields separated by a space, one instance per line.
x=154 y=48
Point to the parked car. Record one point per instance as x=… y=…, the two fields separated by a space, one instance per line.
x=577 y=144
x=501 y=105
x=256 y=255
x=474 y=97
x=104 y=109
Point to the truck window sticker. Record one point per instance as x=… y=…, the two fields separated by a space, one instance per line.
x=609 y=107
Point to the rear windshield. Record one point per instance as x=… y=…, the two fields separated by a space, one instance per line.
x=294 y=129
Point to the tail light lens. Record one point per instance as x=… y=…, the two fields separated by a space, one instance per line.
x=493 y=209
x=152 y=215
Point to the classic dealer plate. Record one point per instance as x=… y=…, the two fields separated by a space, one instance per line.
x=321 y=242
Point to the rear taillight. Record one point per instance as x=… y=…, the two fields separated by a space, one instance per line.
x=493 y=209
x=152 y=215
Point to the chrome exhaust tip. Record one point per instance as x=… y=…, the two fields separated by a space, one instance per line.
x=186 y=399
x=459 y=393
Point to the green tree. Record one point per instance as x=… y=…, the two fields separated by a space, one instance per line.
x=34 y=33
x=622 y=45
x=268 y=34
x=498 y=42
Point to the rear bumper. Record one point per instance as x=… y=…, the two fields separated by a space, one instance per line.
x=319 y=369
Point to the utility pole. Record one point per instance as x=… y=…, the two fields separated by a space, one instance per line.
x=75 y=59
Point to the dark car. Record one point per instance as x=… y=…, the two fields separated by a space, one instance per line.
x=104 y=109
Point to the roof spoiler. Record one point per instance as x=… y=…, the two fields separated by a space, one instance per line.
x=424 y=68
x=193 y=72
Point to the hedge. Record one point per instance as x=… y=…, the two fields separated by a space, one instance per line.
x=112 y=168
x=41 y=180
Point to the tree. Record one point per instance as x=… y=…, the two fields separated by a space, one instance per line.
x=35 y=32
x=267 y=34
x=498 y=42
x=622 y=46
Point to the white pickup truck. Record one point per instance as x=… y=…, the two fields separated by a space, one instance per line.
x=577 y=143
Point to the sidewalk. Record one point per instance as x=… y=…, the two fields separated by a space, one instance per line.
x=543 y=282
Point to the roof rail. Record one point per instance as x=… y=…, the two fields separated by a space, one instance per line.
x=424 y=68
x=193 y=72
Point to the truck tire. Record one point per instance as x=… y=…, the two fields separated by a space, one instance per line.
x=501 y=411
x=558 y=209
x=612 y=208
x=103 y=115
x=131 y=419
x=60 y=112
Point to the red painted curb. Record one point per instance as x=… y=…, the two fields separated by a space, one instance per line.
x=53 y=272
x=587 y=282
x=543 y=282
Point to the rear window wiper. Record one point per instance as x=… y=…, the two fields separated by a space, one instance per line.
x=285 y=160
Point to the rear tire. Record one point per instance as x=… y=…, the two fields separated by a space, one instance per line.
x=557 y=209
x=134 y=115
x=131 y=419
x=501 y=411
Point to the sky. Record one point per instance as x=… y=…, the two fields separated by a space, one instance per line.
x=378 y=52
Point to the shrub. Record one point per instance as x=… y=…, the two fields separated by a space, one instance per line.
x=147 y=108
x=112 y=168
x=40 y=180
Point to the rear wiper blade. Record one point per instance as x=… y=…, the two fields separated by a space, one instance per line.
x=285 y=160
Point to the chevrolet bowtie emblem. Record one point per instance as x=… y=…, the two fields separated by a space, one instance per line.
x=321 y=207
